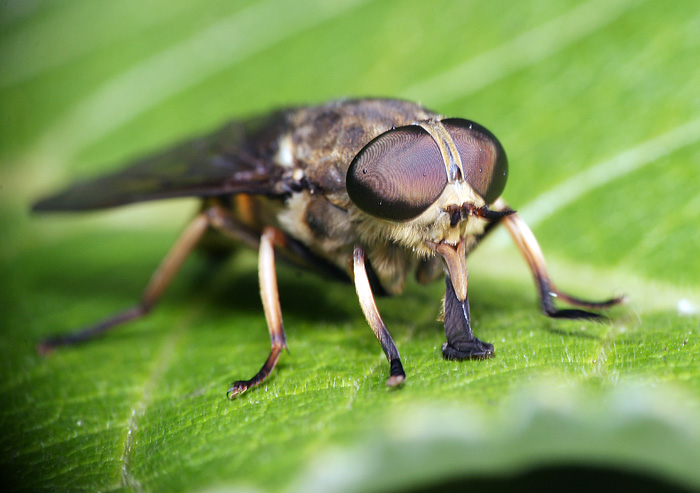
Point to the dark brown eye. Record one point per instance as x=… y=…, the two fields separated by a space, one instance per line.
x=483 y=158
x=398 y=175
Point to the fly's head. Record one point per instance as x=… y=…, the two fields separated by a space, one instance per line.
x=427 y=187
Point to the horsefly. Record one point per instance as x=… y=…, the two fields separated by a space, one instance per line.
x=364 y=190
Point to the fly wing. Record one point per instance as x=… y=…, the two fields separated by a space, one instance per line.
x=235 y=159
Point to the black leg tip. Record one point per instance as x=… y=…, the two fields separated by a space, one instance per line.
x=474 y=349
x=238 y=388
x=49 y=344
x=396 y=374
x=573 y=314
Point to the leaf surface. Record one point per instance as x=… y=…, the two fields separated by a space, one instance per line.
x=596 y=104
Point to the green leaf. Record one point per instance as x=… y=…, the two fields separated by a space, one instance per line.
x=596 y=104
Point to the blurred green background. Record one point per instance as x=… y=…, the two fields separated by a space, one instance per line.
x=598 y=107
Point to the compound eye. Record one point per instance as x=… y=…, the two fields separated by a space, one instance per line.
x=483 y=158
x=398 y=175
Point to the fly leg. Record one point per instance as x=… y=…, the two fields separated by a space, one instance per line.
x=528 y=246
x=270 y=238
x=159 y=282
x=369 y=308
x=461 y=342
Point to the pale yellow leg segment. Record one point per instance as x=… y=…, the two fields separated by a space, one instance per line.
x=527 y=244
x=369 y=308
x=154 y=290
x=270 y=238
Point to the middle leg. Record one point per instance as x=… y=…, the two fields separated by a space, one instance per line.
x=270 y=238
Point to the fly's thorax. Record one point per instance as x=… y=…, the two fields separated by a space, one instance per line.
x=324 y=228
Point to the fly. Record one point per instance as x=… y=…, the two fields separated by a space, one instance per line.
x=364 y=190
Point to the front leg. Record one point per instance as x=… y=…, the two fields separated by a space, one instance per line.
x=369 y=308
x=527 y=244
x=461 y=343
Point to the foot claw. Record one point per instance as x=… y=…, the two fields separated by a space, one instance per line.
x=237 y=389
x=44 y=348
x=574 y=314
x=475 y=349
x=396 y=375
x=395 y=380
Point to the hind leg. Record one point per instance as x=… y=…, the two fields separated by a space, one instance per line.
x=156 y=287
x=270 y=238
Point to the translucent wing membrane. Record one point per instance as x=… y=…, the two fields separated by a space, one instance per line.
x=235 y=159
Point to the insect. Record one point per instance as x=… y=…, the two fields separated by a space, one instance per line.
x=366 y=190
